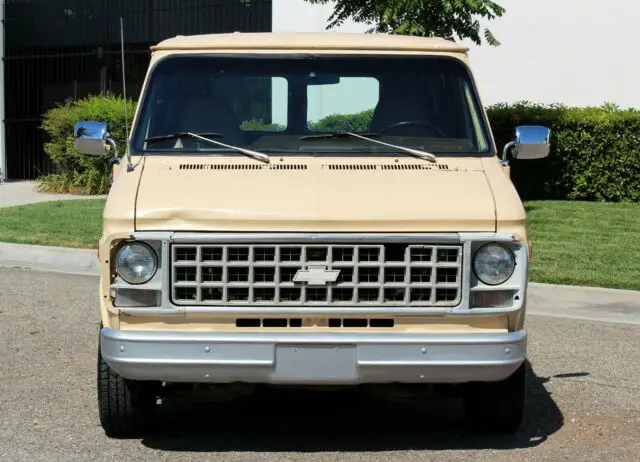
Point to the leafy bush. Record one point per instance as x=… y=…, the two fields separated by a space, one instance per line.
x=259 y=125
x=595 y=152
x=74 y=172
x=358 y=122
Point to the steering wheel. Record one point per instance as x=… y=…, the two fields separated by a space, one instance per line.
x=420 y=123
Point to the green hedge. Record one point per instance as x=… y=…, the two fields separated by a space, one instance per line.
x=358 y=122
x=595 y=154
x=75 y=172
x=258 y=125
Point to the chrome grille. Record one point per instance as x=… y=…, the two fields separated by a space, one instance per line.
x=381 y=274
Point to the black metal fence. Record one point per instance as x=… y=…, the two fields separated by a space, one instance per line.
x=61 y=49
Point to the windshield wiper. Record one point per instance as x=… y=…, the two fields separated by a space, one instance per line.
x=369 y=137
x=326 y=136
x=207 y=137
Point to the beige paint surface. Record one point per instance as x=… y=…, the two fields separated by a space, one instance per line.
x=202 y=323
x=309 y=41
x=236 y=193
x=314 y=199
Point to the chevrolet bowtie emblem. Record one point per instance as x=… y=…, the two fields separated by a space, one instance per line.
x=316 y=275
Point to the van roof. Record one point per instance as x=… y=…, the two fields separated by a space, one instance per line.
x=309 y=41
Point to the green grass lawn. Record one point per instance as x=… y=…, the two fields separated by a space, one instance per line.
x=73 y=223
x=585 y=243
x=578 y=243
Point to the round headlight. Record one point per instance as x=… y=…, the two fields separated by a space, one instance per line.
x=136 y=263
x=493 y=264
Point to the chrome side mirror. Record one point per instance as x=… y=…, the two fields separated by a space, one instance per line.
x=531 y=142
x=92 y=139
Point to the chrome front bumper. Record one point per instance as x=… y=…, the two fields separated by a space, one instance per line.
x=313 y=358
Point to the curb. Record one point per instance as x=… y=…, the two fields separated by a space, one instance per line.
x=584 y=288
x=82 y=262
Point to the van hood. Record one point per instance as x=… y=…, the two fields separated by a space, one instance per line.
x=311 y=194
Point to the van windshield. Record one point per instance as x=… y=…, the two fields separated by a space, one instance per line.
x=277 y=103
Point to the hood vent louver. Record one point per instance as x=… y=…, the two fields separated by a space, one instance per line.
x=241 y=167
x=386 y=166
x=350 y=167
x=286 y=167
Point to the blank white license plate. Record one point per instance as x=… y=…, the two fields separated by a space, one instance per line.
x=316 y=363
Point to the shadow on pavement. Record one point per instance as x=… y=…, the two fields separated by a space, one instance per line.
x=346 y=421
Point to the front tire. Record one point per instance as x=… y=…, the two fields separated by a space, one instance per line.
x=497 y=407
x=126 y=407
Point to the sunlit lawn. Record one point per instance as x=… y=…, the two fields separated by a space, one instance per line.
x=585 y=243
x=74 y=223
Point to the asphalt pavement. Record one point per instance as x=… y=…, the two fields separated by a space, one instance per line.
x=584 y=384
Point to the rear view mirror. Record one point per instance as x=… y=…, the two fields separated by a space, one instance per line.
x=92 y=138
x=322 y=79
x=531 y=142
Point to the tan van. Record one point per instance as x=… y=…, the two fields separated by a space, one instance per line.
x=312 y=210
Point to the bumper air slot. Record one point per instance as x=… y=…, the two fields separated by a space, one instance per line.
x=281 y=323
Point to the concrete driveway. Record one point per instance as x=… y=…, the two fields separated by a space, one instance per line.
x=582 y=404
x=23 y=192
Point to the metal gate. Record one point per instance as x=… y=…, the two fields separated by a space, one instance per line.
x=61 y=49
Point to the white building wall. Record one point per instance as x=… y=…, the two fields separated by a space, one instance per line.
x=302 y=16
x=577 y=52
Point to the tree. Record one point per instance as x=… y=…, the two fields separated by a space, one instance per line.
x=441 y=18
